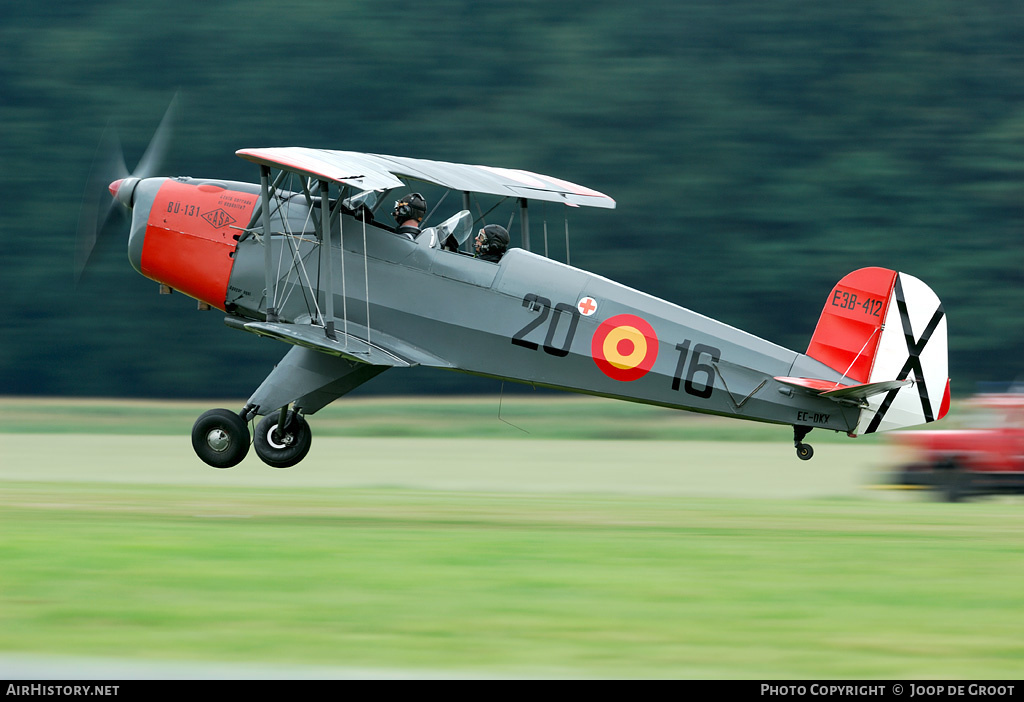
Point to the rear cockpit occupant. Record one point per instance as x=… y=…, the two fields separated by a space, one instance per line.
x=491 y=243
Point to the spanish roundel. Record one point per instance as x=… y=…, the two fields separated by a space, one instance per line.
x=624 y=347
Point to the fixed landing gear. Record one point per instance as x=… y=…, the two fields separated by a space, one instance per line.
x=803 y=451
x=283 y=439
x=221 y=438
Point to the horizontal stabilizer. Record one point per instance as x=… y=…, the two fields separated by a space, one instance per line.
x=866 y=390
x=838 y=391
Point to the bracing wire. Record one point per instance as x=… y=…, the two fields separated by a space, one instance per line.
x=366 y=277
x=434 y=209
x=300 y=267
x=289 y=284
x=872 y=336
x=483 y=214
x=297 y=267
x=501 y=395
x=297 y=264
x=567 y=241
x=344 y=295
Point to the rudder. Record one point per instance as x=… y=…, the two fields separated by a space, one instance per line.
x=879 y=326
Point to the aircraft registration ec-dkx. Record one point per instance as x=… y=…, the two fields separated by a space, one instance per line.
x=303 y=256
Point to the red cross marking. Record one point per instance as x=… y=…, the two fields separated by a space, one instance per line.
x=587 y=306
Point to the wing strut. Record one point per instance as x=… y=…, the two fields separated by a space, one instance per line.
x=524 y=223
x=271 y=284
x=325 y=258
x=366 y=280
x=344 y=291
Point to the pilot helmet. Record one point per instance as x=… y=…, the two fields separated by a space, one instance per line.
x=495 y=239
x=412 y=206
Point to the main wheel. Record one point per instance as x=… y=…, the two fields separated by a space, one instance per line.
x=282 y=449
x=221 y=438
x=804 y=452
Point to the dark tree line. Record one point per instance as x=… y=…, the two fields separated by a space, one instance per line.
x=758 y=152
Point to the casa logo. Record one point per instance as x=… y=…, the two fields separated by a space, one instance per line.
x=219 y=218
x=624 y=347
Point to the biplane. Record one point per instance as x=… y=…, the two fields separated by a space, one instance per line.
x=307 y=256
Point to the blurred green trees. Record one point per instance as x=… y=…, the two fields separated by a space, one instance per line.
x=757 y=152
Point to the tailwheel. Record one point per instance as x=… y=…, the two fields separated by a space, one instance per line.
x=283 y=448
x=803 y=451
x=220 y=438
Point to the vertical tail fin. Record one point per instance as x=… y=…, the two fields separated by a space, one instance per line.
x=879 y=325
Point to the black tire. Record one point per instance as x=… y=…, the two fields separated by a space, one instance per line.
x=282 y=451
x=804 y=452
x=220 y=438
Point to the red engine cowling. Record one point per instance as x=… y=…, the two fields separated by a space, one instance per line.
x=191 y=235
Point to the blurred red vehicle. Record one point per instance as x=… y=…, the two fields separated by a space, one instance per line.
x=985 y=459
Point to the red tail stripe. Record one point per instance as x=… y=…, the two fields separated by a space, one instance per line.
x=849 y=328
x=944 y=407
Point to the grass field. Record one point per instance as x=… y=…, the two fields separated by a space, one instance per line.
x=513 y=556
x=558 y=416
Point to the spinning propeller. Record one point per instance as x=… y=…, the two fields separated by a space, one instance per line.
x=99 y=216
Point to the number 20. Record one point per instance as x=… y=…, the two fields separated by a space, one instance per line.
x=536 y=302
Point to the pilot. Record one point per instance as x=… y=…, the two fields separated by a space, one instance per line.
x=408 y=213
x=491 y=243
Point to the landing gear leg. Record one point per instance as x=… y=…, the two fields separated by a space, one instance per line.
x=803 y=451
x=304 y=382
x=283 y=439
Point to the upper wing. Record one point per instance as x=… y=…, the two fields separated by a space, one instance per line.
x=379 y=172
x=341 y=167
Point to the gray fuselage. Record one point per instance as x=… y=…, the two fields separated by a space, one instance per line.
x=522 y=319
